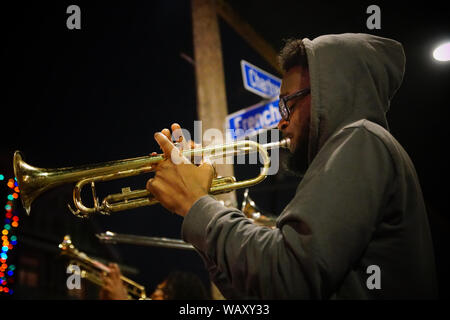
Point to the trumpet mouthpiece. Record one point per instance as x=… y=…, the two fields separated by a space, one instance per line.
x=285 y=143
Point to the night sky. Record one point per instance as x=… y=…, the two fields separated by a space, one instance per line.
x=73 y=97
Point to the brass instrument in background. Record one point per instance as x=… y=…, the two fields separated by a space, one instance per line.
x=249 y=208
x=34 y=181
x=254 y=213
x=92 y=270
x=113 y=238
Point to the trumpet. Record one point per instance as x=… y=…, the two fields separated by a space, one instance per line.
x=113 y=238
x=34 y=181
x=92 y=270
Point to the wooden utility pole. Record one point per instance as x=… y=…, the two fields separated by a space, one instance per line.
x=211 y=96
x=246 y=31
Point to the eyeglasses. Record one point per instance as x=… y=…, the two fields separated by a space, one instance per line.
x=285 y=111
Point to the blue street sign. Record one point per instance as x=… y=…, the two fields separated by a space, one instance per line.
x=259 y=81
x=249 y=121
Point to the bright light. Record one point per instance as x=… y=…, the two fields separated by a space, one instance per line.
x=442 y=53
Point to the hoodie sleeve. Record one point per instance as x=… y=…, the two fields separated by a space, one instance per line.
x=319 y=236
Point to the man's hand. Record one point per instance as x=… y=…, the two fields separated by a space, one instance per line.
x=177 y=183
x=113 y=288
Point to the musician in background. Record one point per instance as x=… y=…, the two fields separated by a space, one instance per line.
x=357 y=226
x=177 y=286
x=113 y=288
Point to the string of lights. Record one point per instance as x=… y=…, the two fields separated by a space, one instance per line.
x=9 y=239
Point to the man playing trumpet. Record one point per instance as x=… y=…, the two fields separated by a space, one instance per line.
x=357 y=226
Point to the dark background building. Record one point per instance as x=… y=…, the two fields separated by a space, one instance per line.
x=73 y=97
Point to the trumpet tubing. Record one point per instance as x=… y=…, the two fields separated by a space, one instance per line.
x=34 y=181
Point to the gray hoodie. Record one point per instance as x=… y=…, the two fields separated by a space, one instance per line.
x=358 y=217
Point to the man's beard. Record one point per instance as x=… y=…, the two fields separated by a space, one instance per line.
x=296 y=163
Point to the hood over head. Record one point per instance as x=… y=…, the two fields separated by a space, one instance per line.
x=353 y=77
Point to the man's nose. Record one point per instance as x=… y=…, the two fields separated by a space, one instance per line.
x=282 y=124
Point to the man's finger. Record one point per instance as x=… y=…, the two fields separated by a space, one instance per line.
x=149 y=184
x=116 y=272
x=154 y=186
x=177 y=133
x=164 y=143
x=166 y=132
x=169 y=149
